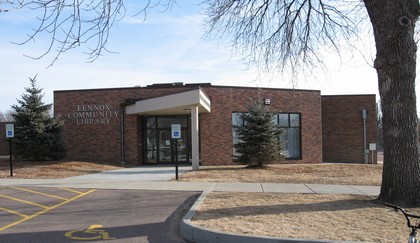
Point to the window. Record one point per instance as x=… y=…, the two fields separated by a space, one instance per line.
x=236 y=121
x=157 y=141
x=291 y=137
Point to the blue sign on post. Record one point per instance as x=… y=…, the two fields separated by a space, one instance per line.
x=10 y=133
x=176 y=134
x=10 y=130
x=176 y=131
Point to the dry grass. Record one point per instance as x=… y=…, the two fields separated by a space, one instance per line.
x=308 y=216
x=349 y=174
x=305 y=216
x=52 y=169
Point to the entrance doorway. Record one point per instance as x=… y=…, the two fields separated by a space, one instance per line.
x=158 y=146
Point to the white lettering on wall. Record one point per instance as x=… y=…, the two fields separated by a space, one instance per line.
x=93 y=114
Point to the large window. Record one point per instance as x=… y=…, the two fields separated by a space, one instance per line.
x=291 y=137
x=157 y=142
x=290 y=123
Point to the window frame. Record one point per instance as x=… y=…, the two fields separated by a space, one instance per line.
x=235 y=115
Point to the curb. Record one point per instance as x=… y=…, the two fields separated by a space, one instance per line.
x=200 y=234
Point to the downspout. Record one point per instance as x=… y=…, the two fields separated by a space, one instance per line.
x=365 y=155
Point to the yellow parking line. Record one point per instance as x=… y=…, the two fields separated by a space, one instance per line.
x=14 y=212
x=39 y=193
x=71 y=190
x=45 y=210
x=24 y=201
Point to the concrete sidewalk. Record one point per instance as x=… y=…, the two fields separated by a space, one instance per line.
x=195 y=186
x=133 y=179
x=161 y=178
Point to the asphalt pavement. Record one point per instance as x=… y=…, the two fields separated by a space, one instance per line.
x=49 y=214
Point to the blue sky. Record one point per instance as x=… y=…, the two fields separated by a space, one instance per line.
x=166 y=47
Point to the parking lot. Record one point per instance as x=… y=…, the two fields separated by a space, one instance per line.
x=81 y=215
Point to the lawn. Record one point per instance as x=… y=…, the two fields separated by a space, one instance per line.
x=358 y=218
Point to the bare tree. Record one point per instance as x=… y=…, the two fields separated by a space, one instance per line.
x=283 y=35
x=76 y=23
x=289 y=34
x=395 y=63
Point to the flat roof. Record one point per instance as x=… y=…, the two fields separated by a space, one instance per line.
x=183 y=85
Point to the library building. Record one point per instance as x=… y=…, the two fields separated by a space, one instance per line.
x=193 y=124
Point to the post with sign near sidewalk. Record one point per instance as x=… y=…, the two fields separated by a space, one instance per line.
x=10 y=133
x=176 y=134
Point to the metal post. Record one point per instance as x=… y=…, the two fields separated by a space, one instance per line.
x=373 y=151
x=175 y=156
x=10 y=155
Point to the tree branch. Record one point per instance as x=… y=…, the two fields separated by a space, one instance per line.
x=72 y=23
x=283 y=34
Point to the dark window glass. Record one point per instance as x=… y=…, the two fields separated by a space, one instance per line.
x=283 y=119
x=294 y=120
x=157 y=141
x=291 y=137
x=166 y=122
x=151 y=122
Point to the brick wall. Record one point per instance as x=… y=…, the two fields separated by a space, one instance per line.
x=99 y=138
x=342 y=127
x=337 y=137
x=216 y=127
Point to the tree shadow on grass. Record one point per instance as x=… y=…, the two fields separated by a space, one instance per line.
x=325 y=206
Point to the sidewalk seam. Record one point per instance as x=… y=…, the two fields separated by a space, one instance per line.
x=314 y=192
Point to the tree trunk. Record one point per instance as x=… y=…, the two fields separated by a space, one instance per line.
x=393 y=24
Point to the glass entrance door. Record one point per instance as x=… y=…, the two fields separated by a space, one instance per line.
x=165 y=146
x=159 y=147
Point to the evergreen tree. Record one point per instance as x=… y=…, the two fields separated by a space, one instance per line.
x=259 y=138
x=37 y=134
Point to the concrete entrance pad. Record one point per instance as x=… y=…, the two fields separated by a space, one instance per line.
x=136 y=174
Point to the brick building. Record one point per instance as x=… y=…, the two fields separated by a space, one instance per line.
x=343 y=127
x=134 y=124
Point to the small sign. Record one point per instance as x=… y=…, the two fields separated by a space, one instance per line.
x=372 y=146
x=10 y=130
x=176 y=131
